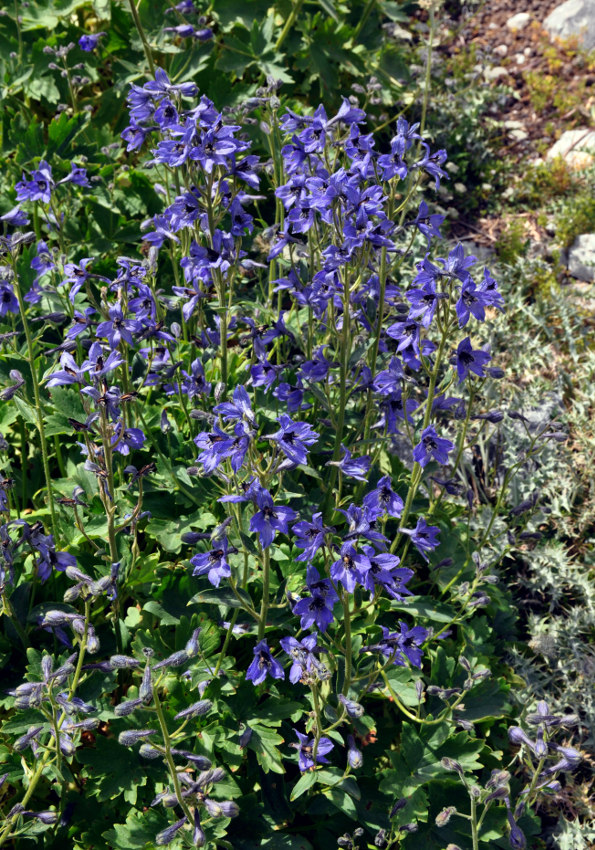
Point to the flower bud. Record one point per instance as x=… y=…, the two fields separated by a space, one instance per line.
x=123 y=662
x=354 y=756
x=445 y=815
x=174 y=660
x=147 y=751
x=167 y=835
x=24 y=741
x=195 y=710
x=126 y=708
x=222 y=809
x=353 y=709
x=130 y=737
x=192 y=646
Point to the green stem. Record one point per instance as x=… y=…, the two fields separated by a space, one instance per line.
x=38 y=408
x=289 y=23
x=143 y=37
x=348 y=646
x=168 y=756
x=264 y=604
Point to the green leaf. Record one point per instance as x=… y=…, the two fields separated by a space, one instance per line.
x=139 y=830
x=264 y=743
x=62 y=131
x=304 y=783
x=112 y=770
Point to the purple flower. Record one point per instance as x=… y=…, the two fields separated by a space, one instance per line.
x=424 y=302
x=302 y=656
x=306 y=750
x=423 y=536
x=264 y=664
x=351 y=568
x=383 y=500
x=317 y=608
x=240 y=408
x=214 y=563
x=310 y=536
x=39 y=187
x=472 y=301
x=270 y=518
x=432 y=447
x=293 y=439
x=88 y=43
x=470 y=360
x=78 y=176
x=401 y=646
x=8 y=300
x=358 y=468
x=118 y=328
x=385 y=573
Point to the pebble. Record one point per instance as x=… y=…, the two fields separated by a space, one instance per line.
x=501 y=50
x=495 y=73
x=518 y=21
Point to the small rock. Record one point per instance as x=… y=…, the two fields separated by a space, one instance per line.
x=519 y=135
x=573 y=18
x=581 y=257
x=452 y=167
x=528 y=51
x=495 y=73
x=460 y=188
x=501 y=50
x=577 y=147
x=520 y=58
x=518 y=21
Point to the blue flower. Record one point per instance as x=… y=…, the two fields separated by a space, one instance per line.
x=302 y=656
x=306 y=750
x=293 y=439
x=354 y=468
x=423 y=536
x=383 y=500
x=351 y=568
x=88 y=43
x=39 y=187
x=470 y=360
x=264 y=664
x=214 y=563
x=270 y=518
x=432 y=447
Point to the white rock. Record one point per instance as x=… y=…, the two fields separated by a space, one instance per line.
x=581 y=257
x=495 y=73
x=501 y=50
x=577 y=147
x=573 y=18
x=520 y=58
x=518 y=135
x=460 y=188
x=518 y=21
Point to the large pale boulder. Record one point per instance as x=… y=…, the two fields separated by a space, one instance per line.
x=573 y=18
x=577 y=147
x=581 y=257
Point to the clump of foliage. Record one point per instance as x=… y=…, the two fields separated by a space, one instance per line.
x=256 y=491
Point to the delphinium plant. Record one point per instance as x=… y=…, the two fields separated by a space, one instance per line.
x=253 y=606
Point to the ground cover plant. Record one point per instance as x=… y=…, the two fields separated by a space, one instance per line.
x=256 y=489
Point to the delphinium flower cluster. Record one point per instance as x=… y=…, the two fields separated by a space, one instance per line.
x=289 y=361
